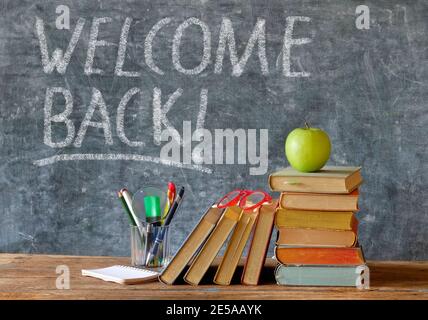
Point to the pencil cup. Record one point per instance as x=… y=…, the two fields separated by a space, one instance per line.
x=150 y=246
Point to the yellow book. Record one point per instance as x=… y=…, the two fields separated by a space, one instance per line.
x=212 y=246
x=331 y=220
x=320 y=201
x=259 y=244
x=236 y=246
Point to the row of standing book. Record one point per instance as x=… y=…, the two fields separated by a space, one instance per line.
x=316 y=244
x=206 y=240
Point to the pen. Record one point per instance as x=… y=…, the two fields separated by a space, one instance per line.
x=172 y=191
x=174 y=206
x=171 y=197
x=161 y=234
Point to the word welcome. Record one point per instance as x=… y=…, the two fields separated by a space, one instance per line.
x=60 y=59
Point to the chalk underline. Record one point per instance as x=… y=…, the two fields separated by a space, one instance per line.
x=118 y=156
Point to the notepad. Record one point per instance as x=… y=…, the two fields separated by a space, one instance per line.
x=122 y=274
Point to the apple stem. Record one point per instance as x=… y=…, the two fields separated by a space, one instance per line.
x=306 y=125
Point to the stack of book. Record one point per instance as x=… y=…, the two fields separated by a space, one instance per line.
x=204 y=243
x=317 y=242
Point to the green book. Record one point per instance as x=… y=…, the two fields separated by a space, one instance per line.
x=339 y=276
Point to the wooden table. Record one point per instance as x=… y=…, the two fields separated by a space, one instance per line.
x=25 y=276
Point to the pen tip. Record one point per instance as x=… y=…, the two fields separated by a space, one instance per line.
x=171 y=186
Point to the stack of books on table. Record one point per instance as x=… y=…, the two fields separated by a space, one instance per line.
x=317 y=242
x=233 y=228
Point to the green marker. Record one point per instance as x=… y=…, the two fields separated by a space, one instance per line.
x=152 y=208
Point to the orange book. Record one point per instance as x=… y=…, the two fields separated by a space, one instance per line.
x=319 y=256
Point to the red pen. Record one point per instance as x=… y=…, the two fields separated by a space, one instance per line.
x=171 y=197
x=171 y=192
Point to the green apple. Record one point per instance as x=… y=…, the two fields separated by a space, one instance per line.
x=307 y=149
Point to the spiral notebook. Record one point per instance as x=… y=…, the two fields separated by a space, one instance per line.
x=122 y=274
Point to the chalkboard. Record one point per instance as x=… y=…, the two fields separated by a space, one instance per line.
x=88 y=88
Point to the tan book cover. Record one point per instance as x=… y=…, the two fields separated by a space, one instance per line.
x=320 y=201
x=235 y=247
x=316 y=237
x=191 y=245
x=330 y=179
x=259 y=244
x=213 y=245
x=330 y=220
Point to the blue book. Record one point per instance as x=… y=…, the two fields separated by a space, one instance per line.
x=341 y=276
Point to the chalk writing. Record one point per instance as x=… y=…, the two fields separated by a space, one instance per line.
x=177 y=149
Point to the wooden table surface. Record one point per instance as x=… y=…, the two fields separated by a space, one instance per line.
x=25 y=276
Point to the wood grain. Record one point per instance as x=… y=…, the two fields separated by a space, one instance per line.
x=25 y=276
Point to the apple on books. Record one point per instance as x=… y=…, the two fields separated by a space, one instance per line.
x=307 y=149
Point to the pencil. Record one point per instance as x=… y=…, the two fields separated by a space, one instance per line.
x=125 y=207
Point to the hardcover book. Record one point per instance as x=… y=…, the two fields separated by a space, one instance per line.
x=320 y=201
x=328 y=220
x=330 y=179
x=316 y=237
x=235 y=247
x=191 y=245
x=358 y=276
x=259 y=244
x=319 y=256
x=213 y=245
